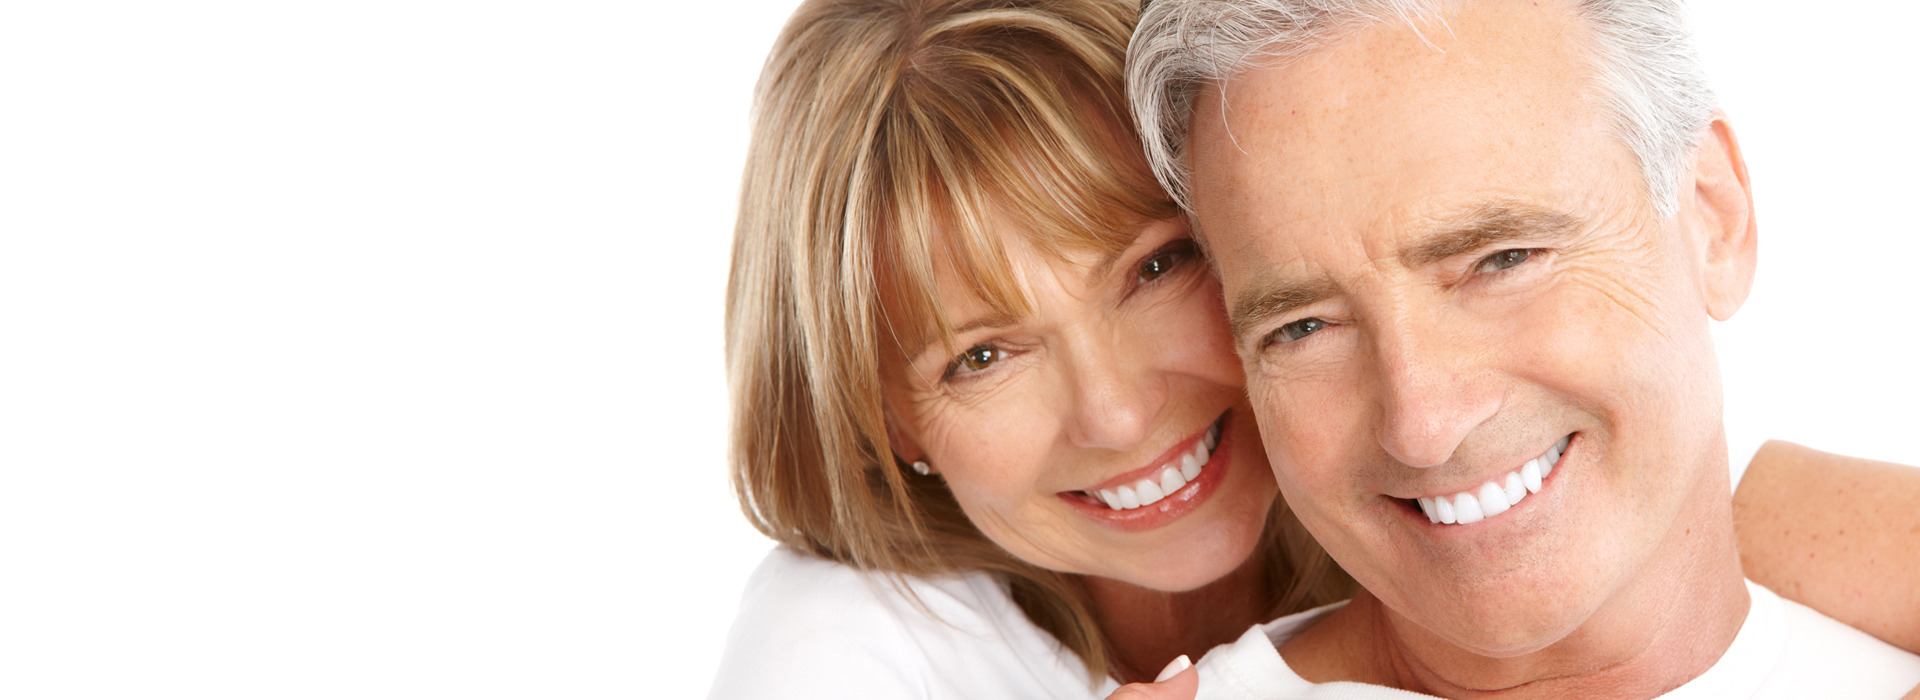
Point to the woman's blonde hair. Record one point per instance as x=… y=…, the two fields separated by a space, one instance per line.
x=888 y=134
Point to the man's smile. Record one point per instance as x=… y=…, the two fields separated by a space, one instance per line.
x=1495 y=496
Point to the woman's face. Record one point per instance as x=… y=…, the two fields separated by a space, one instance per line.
x=1115 y=387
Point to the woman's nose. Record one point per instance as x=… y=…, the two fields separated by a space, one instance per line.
x=1115 y=397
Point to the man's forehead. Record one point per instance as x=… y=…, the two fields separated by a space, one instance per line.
x=1361 y=146
x=1392 y=100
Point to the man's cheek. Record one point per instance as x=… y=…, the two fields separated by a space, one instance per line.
x=1314 y=414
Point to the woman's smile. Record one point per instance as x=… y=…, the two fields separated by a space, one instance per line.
x=1154 y=495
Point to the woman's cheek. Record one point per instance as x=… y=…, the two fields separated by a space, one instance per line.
x=1203 y=340
x=994 y=452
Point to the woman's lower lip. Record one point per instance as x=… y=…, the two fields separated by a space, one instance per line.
x=1174 y=505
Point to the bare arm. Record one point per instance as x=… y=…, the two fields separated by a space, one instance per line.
x=1839 y=534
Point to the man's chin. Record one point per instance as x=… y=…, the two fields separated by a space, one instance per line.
x=1502 y=626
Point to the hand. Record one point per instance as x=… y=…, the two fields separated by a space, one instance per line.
x=1180 y=681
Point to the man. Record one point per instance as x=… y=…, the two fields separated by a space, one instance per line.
x=1469 y=251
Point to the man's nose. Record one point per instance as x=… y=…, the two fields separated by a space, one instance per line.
x=1116 y=395
x=1436 y=390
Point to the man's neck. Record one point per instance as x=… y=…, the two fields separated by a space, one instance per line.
x=1148 y=628
x=1665 y=627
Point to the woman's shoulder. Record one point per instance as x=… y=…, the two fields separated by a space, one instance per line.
x=793 y=592
x=805 y=622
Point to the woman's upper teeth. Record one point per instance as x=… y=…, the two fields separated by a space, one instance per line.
x=1494 y=497
x=1169 y=478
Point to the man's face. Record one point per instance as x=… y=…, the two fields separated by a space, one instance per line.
x=1441 y=265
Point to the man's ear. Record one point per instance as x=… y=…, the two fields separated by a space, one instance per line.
x=1723 y=214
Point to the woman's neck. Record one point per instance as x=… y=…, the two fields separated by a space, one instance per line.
x=1147 y=628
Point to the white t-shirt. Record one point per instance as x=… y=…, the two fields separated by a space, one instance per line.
x=1784 y=650
x=812 y=628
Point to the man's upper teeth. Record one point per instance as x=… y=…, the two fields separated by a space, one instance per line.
x=1494 y=497
x=1167 y=479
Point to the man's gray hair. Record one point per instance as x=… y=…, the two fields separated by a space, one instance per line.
x=1643 y=56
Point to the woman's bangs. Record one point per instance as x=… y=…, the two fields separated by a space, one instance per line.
x=961 y=170
x=942 y=223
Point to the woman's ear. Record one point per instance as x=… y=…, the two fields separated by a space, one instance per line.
x=1723 y=214
x=903 y=445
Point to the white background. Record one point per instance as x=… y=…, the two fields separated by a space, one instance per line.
x=373 y=349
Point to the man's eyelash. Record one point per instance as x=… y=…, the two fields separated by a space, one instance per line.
x=1511 y=257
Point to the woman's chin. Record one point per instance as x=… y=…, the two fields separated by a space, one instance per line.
x=1188 y=565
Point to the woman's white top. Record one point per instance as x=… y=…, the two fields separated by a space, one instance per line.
x=812 y=628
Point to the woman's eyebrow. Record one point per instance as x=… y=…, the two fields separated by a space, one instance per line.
x=994 y=320
x=991 y=320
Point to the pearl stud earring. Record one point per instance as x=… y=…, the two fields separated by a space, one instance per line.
x=921 y=468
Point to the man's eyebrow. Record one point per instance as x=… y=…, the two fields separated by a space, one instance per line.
x=1266 y=299
x=1486 y=227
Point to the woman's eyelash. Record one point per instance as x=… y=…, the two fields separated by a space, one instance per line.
x=984 y=355
x=1168 y=259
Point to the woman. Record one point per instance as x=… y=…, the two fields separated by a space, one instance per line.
x=973 y=348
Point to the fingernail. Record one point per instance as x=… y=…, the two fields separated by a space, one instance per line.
x=1174 y=669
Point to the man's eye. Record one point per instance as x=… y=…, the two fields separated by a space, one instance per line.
x=1299 y=329
x=1503 y=260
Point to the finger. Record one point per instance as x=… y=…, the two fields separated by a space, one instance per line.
x=1180 y=663
x=1184 y=685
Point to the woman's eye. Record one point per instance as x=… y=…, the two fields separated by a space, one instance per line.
x=1156 y=266
x=977 y=358
x=1299 y=329
x=1165 y=260
x=1503 y=260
